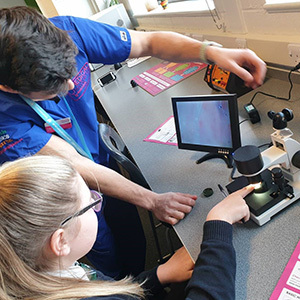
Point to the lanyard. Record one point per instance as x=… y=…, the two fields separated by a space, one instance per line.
x=60 y=131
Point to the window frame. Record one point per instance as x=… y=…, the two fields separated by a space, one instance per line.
x=282 y=7
x=172 y=9
x=173 y=1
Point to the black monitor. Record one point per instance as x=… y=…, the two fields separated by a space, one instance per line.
x=208 y=123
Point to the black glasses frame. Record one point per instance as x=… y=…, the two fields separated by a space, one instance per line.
x=82 y=211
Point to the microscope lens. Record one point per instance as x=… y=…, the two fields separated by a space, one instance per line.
x=255 y=179
x=248 y=160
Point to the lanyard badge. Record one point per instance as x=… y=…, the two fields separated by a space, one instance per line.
x=64 y=123
x=58 y=129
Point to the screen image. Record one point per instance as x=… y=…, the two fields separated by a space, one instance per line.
x=205 y=123
x=208 y=123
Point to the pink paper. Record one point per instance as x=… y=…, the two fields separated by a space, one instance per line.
x=164 y=134
x=165 y=75
x=288 y=286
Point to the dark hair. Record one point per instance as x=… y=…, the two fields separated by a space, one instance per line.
x=35 y=55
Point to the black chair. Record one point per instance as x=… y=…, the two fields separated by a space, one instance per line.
x=115 y=147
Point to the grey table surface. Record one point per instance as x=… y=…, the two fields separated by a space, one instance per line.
x=262 y=252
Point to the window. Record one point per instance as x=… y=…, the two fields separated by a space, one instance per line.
x=282 y=6
x=280 y=1
x=174 y=7
x=210 y=2
x=186 y=5
x=171 y=1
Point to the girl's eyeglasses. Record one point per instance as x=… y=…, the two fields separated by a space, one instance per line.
x=96 y=199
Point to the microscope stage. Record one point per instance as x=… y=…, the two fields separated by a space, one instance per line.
x=262 y=205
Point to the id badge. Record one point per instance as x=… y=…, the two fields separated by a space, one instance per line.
x=64 y=123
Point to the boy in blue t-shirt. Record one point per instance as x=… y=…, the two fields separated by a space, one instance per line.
x=40 y=59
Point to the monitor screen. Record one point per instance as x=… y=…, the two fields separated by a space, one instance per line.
x=207 y=123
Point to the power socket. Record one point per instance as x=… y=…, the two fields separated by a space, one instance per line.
x=294 y=53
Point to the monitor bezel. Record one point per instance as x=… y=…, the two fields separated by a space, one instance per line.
x=234 y=122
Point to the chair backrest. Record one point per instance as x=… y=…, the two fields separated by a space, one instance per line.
x=112 y=143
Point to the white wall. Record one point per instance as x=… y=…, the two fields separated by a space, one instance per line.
x=267 y=33
x=11 y=3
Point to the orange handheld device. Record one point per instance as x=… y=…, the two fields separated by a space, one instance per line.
x=225 y=81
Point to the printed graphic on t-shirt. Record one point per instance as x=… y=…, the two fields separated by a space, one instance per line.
x=123 y=36
x=6 y=142
x=81 y=82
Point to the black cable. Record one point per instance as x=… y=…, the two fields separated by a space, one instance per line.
x=297 y=67
x=244 y=121
x=266 y=144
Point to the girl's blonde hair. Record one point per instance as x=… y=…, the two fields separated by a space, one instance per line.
x=36 y=194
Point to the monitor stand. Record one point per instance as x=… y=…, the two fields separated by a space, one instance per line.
x=226 y=157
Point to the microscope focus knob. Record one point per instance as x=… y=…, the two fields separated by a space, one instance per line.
x=271 y=114
x=288 y=113
x=278 y=178
x=280 y=119
x=296 y=159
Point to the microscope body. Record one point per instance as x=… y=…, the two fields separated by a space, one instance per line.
x=280 y=155
x=282 y=152
x=279 y=173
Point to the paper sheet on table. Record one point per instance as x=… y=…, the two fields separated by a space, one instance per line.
x=164 y=134
x=288 y=286
x=165 y=75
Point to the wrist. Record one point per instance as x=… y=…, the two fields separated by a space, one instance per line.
x=212 y=216
x=207 y=50
x=150 y=200
x=163 y=275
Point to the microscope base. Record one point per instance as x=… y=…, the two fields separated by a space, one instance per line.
x=264 y=205
x=266 y=216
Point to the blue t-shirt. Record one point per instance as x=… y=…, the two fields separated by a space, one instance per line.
x=22 y=131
